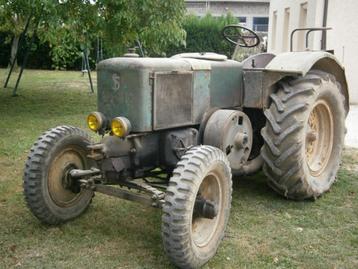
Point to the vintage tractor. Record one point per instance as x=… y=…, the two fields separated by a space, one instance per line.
x=175 y=130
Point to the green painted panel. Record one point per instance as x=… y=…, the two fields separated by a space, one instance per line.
x=226 y=84
x=126 y=93
x=201 y=94
x=125 y=87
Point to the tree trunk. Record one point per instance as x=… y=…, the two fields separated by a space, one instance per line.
x=14 y=48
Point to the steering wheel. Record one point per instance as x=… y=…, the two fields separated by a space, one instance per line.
x=240 y=36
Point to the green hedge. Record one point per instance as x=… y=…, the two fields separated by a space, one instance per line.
x=4 y=50
x=204 y=35
x=39 y=56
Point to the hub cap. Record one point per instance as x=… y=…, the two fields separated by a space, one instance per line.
x=319 y=138
x=203 y=229
x=63 y=190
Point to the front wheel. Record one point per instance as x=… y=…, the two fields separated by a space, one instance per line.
x=50 y=192
x=197 y=207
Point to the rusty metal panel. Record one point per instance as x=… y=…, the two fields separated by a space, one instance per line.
x=125 y=87
x=119 y=91
x=253 y=87
x=173 y=99
x=258 y=60
x=258 y=85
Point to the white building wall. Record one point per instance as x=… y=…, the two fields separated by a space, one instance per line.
x=293 y=7
x=343 y=38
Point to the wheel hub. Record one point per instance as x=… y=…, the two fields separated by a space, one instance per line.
x=63 y=189
x=207 y=210
x=68 y=182
x=230 y=131
x=319 y=138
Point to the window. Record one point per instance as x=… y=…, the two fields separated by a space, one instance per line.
x=286 y=26
x=260 y=24
x=302 y=24
x=242 y=21
x=273 y=32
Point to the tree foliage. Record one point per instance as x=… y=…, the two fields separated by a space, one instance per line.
x=71 y=28
x=70 y=25
x=156 y=23
x=14 y=15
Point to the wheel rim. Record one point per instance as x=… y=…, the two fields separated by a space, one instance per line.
x=319 y=138
x=65 y=191
x=230 y=131
x=203 y=229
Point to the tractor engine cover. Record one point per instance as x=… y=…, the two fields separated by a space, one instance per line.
x=165 y=93
x=230 y=131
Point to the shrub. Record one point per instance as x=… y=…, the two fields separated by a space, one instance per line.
x=204 y=35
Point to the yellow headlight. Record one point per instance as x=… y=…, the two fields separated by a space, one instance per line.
x=95 y=121
x=120 y=126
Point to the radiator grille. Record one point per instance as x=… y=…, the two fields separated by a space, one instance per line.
x=173 y=99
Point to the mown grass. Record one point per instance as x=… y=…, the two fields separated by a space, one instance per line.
x=265 y=230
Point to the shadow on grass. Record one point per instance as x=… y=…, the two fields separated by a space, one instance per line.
x=255 y=186
x=125 y=228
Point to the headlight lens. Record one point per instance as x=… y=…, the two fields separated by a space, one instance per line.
x=95 y=121
x=120 y=126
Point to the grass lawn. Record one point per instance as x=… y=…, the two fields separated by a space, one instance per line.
x=265 y=230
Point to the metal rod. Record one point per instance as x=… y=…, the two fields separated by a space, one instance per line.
x=140 y=48
x=306 y=29
x=78 y=173
x=97 y=60
x=324 y=24
x=83 y=66
x=12 y=64
x=101 y=45
x=25 y=59
x=127 y=195
x=88 y=70
x=313 y=30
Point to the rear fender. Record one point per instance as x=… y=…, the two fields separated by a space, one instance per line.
x=300 y=63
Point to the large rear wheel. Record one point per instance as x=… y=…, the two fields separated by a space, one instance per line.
x=50 y=192
x=304 y=135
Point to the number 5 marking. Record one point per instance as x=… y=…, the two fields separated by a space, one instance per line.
x=116 y=82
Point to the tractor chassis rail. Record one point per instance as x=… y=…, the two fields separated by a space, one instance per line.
x=144 y=194
x=129 y=195
x=140 y=192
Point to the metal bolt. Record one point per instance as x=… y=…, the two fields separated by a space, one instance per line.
x=311 y=136
x=241 y=140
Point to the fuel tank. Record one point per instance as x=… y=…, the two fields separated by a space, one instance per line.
x=163 y=93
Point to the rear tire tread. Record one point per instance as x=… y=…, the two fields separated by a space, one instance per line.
x=282 y=163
